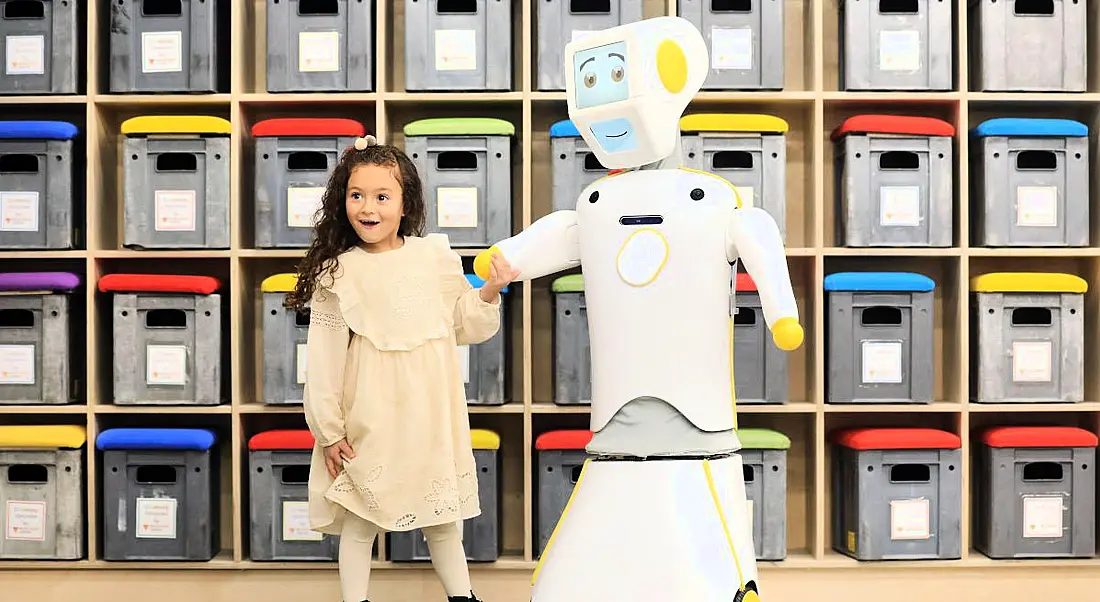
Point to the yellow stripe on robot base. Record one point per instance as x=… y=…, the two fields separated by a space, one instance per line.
x=722 y=519
x=733 y=383
x=561 y=519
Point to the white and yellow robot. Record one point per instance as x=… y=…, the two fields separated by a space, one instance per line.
x=659 y=512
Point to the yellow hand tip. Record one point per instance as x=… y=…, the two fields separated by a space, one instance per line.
x=787 y=334
x=482 y=261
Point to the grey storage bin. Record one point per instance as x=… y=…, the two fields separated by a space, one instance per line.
x=760 y=367
x=167 y=335
x=897 y=45
x=278 y=494
x=161 y=47
x=562 y=21
x=571 y=343
x=897 y=494
x=35 y=351
x=175 y=182
x=749 y=151
x=480 y=535
x=879 y=331
x=453 y=46
x=284 y=343
x=764 y=458
x=320 y=46
x=895 y=181
x=1027 y=338
x=1036 y=492
x=466 y=167
x=160 y=494
x=484 y=365
x=1031 y=183
x=1019 y=46
x=43 y=47
x=745 y=42
x=294 y=159
x=561 y=457
x=37 y=196
x=574 y=165
x=42 y=492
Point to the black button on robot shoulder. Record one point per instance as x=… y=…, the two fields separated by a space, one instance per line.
x=595 y=196
x=697 y=194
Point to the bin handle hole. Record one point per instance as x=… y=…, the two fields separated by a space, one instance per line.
x=165 y=318
x=177 y=162
x=456 y=7
x=453 y=160
x=156 y=474
x=1042 y=471
x=575 y=474
x=1031 y=316
x=744 y=316
x=307 y=161
x=318 y=7
x=1036 y=160
x=897 y=7
x=910 y=473
x=899 y=160
x=749 y=473
x=731 y=160
x=18 y=163
x=880 y=316
x=28 y=474
x=1033 y=7
x=162 y=8
x=24 y=9
x=592 y=163
x=731 y=6
x=16 y=318
x=590 y=7
x=297 y=474
x=301 y=318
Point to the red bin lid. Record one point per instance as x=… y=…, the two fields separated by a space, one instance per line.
x=158 y=283
x=282 y=440
x=897 y=438
x=1038 y=436
x=308 y=126
x=894 y=124
x=564 y=439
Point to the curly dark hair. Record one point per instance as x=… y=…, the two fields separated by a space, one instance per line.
x=333 y=233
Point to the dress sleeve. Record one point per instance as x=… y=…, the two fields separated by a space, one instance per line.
x=475 y=320
x=326 y=349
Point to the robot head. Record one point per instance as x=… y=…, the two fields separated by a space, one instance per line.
x=628 y=86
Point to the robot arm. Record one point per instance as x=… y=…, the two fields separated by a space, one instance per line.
x=548 y=246
x=753 y=237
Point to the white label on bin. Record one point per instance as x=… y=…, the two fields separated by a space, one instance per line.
x=1037 y=206
x=175 y=210
x=747 y=195
x=464 y=362
x=302 y=204
x=899 y=206
x=455 y=50
x=899 y=50
x=166 y=365
x=318 y=51
x=301 y=357
x=296 y=523
x=161 y=51
x=909 y=519
x=156 y=518
x=1042 y=516
x=26 y=55
x=456 y=207
x=19 y=211
x=730 y=48
x=579 y=34
x=17 y=364
x=882 y=362
x=26 y=521
x=1031 y=361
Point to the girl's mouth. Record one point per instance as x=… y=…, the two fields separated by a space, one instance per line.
x=367 y=223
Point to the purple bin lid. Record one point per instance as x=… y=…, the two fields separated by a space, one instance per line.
x=38 y=281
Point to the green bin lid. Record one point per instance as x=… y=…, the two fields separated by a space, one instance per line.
x=763 y=439
x=573 y=283
x=460 y=126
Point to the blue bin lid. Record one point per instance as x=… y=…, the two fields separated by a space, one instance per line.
x=156 y=438
x=476 y=282
x=564 y=129
x=37 y=130
x=879 y=282
x=1019 y=126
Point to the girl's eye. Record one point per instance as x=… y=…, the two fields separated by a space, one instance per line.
x=382 y=198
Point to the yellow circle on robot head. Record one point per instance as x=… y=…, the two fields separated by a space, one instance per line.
x=751 y=596
x=672 y=66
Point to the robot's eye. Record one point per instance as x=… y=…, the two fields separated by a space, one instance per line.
x=589 y=79
x=617 y=74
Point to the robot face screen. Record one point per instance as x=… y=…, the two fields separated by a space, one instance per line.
x=601 y=78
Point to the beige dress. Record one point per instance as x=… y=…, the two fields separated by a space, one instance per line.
x=384 y=372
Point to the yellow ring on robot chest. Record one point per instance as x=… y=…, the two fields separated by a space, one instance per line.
x=656 y=271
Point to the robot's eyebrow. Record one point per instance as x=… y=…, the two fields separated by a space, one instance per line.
x=621 y=57
x=586 y=61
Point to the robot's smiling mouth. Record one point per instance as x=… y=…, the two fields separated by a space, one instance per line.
x=641 y=220
x=618 y=135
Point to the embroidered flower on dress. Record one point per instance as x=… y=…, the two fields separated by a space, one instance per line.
x=344 y=484
x=442 y=497
x=405 y=520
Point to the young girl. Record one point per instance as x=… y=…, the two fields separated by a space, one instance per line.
x=383 y=395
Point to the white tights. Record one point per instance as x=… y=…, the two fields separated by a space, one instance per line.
x=357 y=541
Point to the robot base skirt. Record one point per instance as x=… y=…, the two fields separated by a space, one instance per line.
x=652 y=531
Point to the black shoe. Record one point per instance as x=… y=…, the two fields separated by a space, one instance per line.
x=470 y=598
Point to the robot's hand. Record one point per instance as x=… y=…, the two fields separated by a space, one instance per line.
x=483 y=260
x=787 y=334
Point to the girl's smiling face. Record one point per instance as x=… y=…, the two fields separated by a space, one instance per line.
x=374 y=206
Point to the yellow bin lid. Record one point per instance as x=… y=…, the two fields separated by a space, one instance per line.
x=279 y=283
x=733 y=122
x=484 y=439
x=176 y=124
x=1028 y=282
x=47 y=436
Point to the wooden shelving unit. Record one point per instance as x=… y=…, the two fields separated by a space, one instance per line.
x=810 y=102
